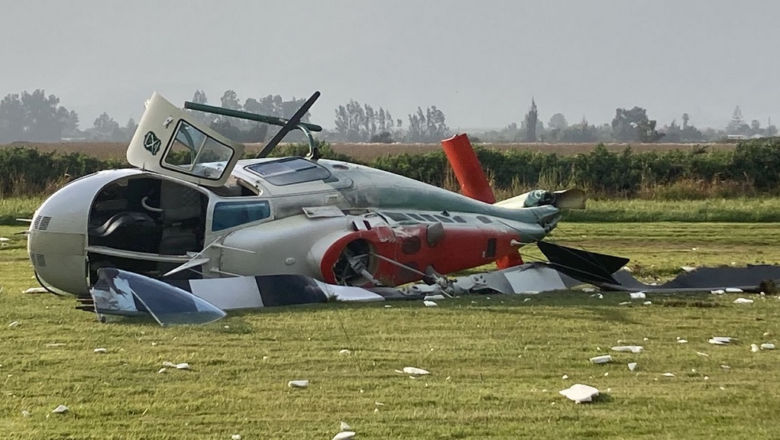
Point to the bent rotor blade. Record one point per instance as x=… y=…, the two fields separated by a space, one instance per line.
x=289 y=126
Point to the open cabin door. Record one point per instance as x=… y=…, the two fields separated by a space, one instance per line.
x=171 y=142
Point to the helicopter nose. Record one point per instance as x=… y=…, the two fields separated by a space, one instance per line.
x=56 y=240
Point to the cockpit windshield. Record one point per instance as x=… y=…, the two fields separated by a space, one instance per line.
x=195 y=153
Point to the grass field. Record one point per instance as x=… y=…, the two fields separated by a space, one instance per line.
x=496 y=362
x=368 y=152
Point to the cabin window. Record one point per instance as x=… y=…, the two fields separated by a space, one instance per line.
x=289 y=171
x=483 y=219
x=230 y=214
x=443 y=219
x=194 y=152
x=416 y=217
x=428 y=217
x=459 y=219
x=397 y=216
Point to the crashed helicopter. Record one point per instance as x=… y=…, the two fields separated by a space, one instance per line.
x=194 y=229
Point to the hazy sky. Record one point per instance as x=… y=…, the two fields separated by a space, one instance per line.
x=478 y=61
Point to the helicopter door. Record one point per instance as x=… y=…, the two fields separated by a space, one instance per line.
x=171 y=142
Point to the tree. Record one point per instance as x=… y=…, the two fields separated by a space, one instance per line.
x=529 y=125
x=230 y=100
x=737 y=124
x=633 y=125
x=34 y=117
x=557 y=121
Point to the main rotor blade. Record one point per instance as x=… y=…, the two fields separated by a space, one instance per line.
x=289 y=126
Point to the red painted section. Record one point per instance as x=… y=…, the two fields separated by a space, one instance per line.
x=467 y=168
x=462 y=247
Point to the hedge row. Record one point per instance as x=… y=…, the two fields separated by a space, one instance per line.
x=754 y=167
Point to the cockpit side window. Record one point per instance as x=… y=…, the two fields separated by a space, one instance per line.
x=195 y=153
x=231 y=214
x=289 y=171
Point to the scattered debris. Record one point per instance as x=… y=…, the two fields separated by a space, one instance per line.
x=717 y=292
x=588 y=290
x=597 y=295
x=344 y=435
x=100 y=350
x=430 y=304
x=721 y=340
x=162 y=370
x=624 y=303
x=26 y=413
x=725 y=367
x=632 y=366
x=14 y=324
x=754 y=348
x=743 y=301
x=235 y=437
x=580 y=393
x=433 y=297
x=181 y=366
x=734 y=290
x=702 y=354
x=688 y=268
x=414 y=371
x=767 y=346
x=628 y=348
x=647 y=303
x=35 y=290
x=61 y=409
x=667 y=375
x=682 y=341
x=638 y=295
x=345 y=351
x=565 y=376
x=298 y=383
x=601 y=359
x=343 y=426
x=55 y=344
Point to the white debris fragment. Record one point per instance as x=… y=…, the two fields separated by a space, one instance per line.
x=702 y=354
x=430 y=304
x=717 y=292
x=682 y=341
x=298 y=383
x=183 y=366
x=734 y=290
x=100 y=350
x=721 y=340
x=624 y=303
x=688 y=268
x=725 y=367
x=526 y=300
x=343 y=426
x=345 y=351
x=35 y=290
x=565 y=376
x=601 y=359
x=580 y=393
x=433 y=297
x=61 y=409
x=706 y=378
x=14 y=324
x=55 y=344
x=743 y=301
x=162 y=370
x=637 y=295
x=344 y=435
x=415 y=371
x=588 y=290
x=628 y=348
x=387 y=306
x=235 y=437
x=647 y=303
x=767 y=346
x=766 y=334
x=26 y=413
x=632 y=366
x=754 y=348
x=667 y=375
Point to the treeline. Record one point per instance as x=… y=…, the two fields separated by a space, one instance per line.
x=748 y=170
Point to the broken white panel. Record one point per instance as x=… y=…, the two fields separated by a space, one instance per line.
x=415 y=371
x=580 y=393
x=721 y=340
x=430 y=304
x=348 y=293
x=244 y=293
x=734 y=290
x=767 y=346
x=601 y=359
x=754 y=348
x=628 y=348
x=637 y=295
x=35 y=290
x=632 y=366
x=60 y=409
x=344 y=435
x=743 y=301
x=298 y=383
x=534 y=280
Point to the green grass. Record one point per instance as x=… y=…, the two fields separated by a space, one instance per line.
x=497 y=362
x=12 y=208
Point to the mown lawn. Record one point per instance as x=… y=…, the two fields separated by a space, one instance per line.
x=496 y=362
